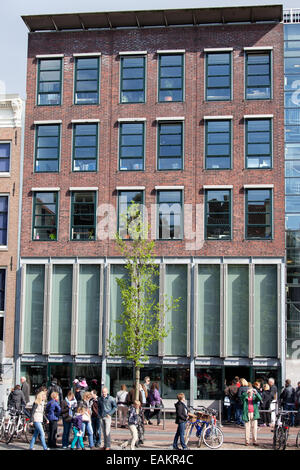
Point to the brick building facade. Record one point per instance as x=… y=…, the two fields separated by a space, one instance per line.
x=228 y=92
x=10 y=164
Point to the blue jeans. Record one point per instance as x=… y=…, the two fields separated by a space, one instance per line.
x=239 y=412
x=86 y=425
x=179 y=434
x=290 y=407
x=66 y=433
x=38 y=430
x=96 y=425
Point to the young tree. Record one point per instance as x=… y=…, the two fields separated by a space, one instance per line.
x=143 y=318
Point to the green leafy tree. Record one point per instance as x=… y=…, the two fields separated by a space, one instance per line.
x=143 y=318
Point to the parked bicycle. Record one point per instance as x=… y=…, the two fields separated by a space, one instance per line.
x=204 y=420
x=281 y=430
x=18 y=426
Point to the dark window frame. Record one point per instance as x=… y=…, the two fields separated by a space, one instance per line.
x=229 y=155
x=207 y=76
x=122 y=68
x=208 y=213
x=266 y=213
x=166 y=158
x=119 y=213
x=74 y=147
x=142 y=157
x=92 y=236
x=37 y=147
x=43 y=227
x=76 y=81
x=262 y=155
x=160 y=78
x=247 y=86
x=159 y=191
x=9 y=143
x=39 y=81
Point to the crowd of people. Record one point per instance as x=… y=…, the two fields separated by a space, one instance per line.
x=84 y=413
x=252 y=405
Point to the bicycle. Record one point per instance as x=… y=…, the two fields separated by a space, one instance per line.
x=281 y=430
x=18 y=426
x=207 y=431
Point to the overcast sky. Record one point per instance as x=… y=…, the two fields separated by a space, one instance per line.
x=13 y=32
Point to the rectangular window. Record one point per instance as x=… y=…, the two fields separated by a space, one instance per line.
x=265 y=310
x=208 y=327
x=170 y=146
x=133 y=79
x=170 y=79
x=170 y=216
x=218 y=76
x=3 y=219
x=237 y=310
x=83 y=216
x=176 y=287
x=45 y=211
x=87 y=80
x=47 y=148
x=88 y=309
x=4 y=157
x=218 y=144
x=61 y=309
x=259 y=213
x=34 y=308
x=49 y=82
x=131 y=146
x=85 y=147
x=218 y=214
x=258 y=76
x=125 y=218
x=258 y=143
x=2 y=289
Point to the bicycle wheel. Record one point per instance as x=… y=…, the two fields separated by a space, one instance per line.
x=298 y=440
x=213 y=437
x=278 y=438
x=26 y=432
x=188 y=432
x=284 y=438
x=10 y=432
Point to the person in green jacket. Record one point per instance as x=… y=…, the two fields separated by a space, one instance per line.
x=250 y=400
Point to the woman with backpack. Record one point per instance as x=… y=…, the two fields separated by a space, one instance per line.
x=68 y=407
x=52 y=412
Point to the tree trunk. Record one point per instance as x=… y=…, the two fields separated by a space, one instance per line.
x=137 y=382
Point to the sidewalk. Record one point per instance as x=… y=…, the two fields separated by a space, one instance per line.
x=158 y=439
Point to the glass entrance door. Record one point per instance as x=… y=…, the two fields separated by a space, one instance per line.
x=63 y=374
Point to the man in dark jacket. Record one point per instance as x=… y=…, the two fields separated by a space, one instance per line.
x=287 y=398
x=181 y=418
x=16 y=399
x=106 y=408
x=54 y=387
x=231 y=392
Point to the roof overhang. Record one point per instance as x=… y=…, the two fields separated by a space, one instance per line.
x=154 y=18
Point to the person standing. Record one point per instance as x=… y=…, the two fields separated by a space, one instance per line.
x=133 y=421
x=287 y=398
x=155 y=401
x=96 y=425
x=273 y=390
x=36 y=418
x=122 y=405
x=297 y=403
x=250 y=400
x=54 y=387
x=181 y=418
x=25 y=389
x=53 y=411
x=106 y=408
x=266 y=401
x=231 y=392
x=78 y=428
x=16 y=399
x=87 y=418
x=68 y=406
x=239 y=404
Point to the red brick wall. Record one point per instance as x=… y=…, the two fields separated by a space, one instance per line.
x=193 y=40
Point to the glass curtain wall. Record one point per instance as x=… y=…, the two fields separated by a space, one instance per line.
x=292 y=180
x=61 y=311
x=34 y=309
x=238 y=311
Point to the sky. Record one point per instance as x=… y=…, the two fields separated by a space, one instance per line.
x=13 y=32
